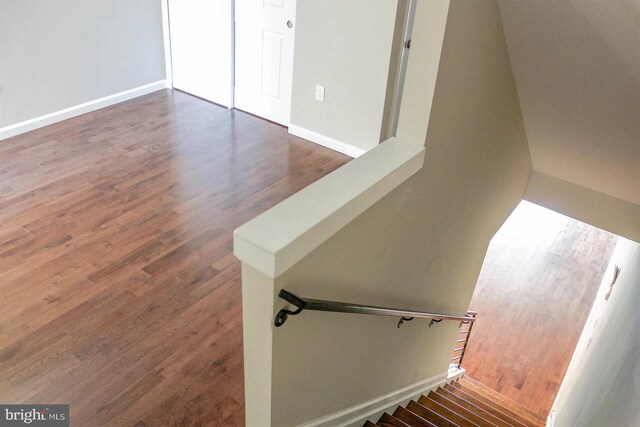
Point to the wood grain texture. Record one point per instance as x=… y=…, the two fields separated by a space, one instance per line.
x=448 y=413
x=489 y=407
x=387 y=420
x=503 y=401
x=429 y=415
x=411 y=419
x=536 y=288
x=120 y=292
x=481 y=397
x=471 y=407
x=465 y=411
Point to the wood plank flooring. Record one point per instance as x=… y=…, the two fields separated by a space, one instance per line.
x=119 y=291
x=536 y=288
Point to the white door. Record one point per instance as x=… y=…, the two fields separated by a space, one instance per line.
x=264 y=57
x=201 y=48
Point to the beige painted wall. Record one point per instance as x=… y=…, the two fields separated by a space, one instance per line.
x=345 y=46
x=59 y=54
x=601 y=387
x=586 y=205
x=419 y=247
x=577 y=69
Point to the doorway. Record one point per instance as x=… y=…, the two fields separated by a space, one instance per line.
x=239 y=54
x=201 y=41
x=235 y=53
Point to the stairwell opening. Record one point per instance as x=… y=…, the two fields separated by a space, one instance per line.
x=541 y=274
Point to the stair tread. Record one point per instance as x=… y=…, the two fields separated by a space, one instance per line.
x=473 y=408
x=512 y=409
x=490 y=407
x=447 y=412
x=505 y=401
x=430 y=415
x=502 y=408
x=463 y=402
x=411 y=419
x=471 y=415
x=387 y=420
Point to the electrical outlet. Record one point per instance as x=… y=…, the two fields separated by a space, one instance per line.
x=319 y=93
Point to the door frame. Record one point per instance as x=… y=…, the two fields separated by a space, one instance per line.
x=166 y=38
x=232 y=103
x=402 y=71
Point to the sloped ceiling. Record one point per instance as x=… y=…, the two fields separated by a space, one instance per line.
x=577 y=69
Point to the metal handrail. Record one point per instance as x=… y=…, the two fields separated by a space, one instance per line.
x=344 y=307
x=465 y=340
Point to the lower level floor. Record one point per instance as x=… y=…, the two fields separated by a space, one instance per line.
x=538 y=283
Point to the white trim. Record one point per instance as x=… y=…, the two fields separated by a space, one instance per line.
x=402 y=72
x=373 y=409
x=166 y=41
x=551 y=419
x=87 y=107
x=232 y=102
x=277 y=239
x=325 y=141
x=455 y=372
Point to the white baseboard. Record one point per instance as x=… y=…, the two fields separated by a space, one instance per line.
x=551 y=419
x=373 y=409
x=87 y=107
x=325 y=141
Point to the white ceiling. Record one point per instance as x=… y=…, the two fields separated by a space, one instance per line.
x=577 y=69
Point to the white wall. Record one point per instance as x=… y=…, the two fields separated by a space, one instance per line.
x=421 y=246
x=602 y=384
x=58 y=54
x=345 y=46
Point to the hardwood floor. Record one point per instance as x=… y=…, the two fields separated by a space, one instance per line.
x=120 y=292
x=537 y=285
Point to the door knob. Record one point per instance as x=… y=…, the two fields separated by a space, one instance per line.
x=289 y=24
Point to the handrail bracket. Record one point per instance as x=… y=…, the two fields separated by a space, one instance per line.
x=284 y=314
x=404 y=319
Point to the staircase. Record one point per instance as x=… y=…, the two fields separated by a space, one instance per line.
x=461 y=403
